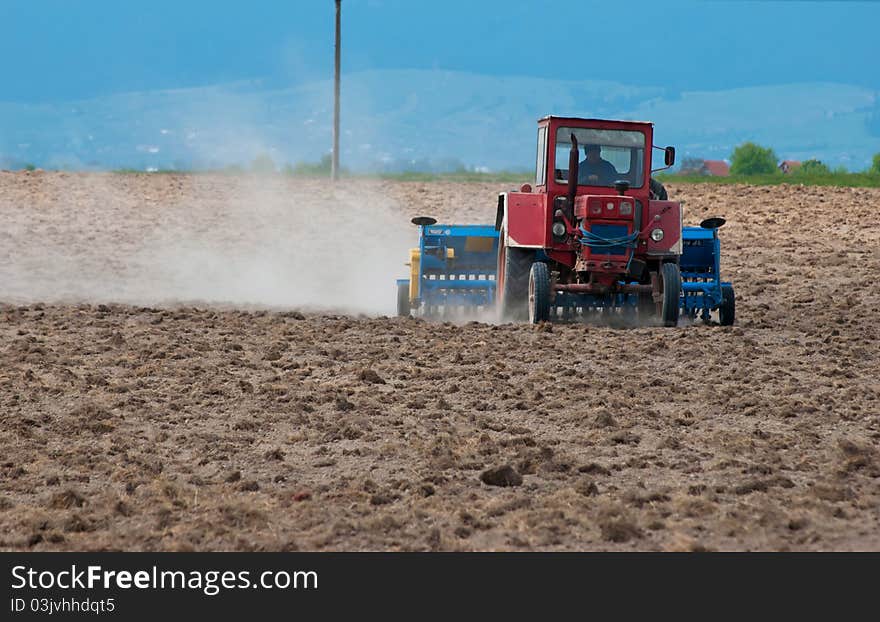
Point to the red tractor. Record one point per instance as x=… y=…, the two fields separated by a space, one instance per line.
x=595 y=234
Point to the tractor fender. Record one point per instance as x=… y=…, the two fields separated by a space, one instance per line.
x=522 y=220
x=664 y=215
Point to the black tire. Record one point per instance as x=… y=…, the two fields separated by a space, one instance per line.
x=727 y=309
x=658 y=191
x=670 y=277
x=513 y=288
x=403 y=308
x=539 y=293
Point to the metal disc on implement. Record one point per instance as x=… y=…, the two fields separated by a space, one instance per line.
x=713 y=223
x=424 y=221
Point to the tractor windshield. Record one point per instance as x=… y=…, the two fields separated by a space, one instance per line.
x=605 y=156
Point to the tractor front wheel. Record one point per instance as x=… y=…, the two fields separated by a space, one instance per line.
x=512 y=282
x=670 y=276
x=539 y=293
x=727 y=309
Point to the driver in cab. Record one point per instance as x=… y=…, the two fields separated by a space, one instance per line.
x=594 y=171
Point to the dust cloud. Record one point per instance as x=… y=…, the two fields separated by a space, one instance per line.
x=215 y=239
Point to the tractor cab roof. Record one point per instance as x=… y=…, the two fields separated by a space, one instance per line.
x=583 y=120
x=551 y=117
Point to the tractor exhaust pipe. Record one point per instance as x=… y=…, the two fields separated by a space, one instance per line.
x=572 y=172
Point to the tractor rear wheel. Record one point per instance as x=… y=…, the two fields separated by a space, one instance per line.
x=727 y=309
x=670 y=277
x=512 y=282
x=658 y=190
x=539 y=293
x=403 y=307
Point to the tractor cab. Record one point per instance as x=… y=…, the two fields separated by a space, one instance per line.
x=607 y=151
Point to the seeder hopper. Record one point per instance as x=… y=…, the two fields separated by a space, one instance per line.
x=702 y=290
x=451 y=272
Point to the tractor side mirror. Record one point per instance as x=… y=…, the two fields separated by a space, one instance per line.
x=669 y=156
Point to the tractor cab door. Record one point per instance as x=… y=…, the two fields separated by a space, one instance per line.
x=541 y=160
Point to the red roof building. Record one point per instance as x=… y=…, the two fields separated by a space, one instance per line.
x=717 y=168
x=789 y=166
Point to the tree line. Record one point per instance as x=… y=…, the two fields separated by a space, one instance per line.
x=752 y=159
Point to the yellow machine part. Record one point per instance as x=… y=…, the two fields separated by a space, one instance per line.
x=415 y=258
x=478 y=245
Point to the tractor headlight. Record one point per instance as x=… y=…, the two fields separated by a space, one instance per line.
x=657 y=235
x=558 y=229
x=626 y=208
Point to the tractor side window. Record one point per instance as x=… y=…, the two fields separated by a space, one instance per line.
x=540 y=178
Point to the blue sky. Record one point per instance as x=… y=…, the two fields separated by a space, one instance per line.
x=56 y=50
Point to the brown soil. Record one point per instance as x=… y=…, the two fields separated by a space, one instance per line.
x=260 y=424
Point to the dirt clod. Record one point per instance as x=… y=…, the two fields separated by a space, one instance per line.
x=504 y=475
x=587 y=488
x=66 y=500
x=232 y=476
x=370 y=376
x=620 y=530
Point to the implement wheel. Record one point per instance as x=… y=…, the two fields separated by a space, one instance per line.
x=403 y=309
x=727 y=309
x=539 y=293
x=670 y=282
x=512 y=282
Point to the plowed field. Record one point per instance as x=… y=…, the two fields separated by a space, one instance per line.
x=210 y=363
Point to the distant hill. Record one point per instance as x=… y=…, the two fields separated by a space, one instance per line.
x=404 y=119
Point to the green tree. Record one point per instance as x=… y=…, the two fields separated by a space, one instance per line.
x=813 y=167
x=875 y=165
x=751 y=159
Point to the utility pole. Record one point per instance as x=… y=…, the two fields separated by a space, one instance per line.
x=334 y=167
